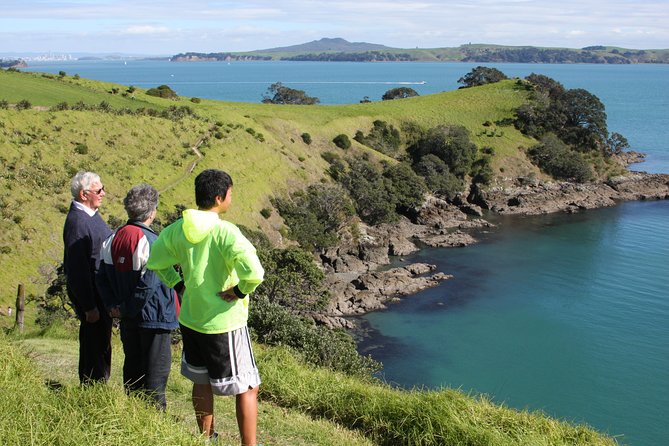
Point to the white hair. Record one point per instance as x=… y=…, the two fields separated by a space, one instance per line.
x=82 y=181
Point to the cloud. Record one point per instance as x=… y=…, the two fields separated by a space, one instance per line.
x=216 y=25
x=145 y=29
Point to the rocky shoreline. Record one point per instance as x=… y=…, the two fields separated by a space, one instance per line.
x=358 y=273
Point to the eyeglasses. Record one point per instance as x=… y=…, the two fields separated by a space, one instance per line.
x=96 y=192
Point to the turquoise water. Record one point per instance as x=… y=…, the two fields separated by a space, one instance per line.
x=567 y=314
x=564 y=313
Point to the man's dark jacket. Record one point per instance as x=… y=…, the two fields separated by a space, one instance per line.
x=83 y=235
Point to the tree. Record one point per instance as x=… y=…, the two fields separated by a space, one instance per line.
x=399 y=93
x=451 y=144
x=585 y=120
x=438 y=178
x=314 y=216
x=481 y=76
x=556 y=159
x=617 y=143
x=277 y=93
x=407 y=188
x=370 y=191
x=575 y=116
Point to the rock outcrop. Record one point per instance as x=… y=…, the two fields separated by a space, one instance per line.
x=533 y=197
x=355 y=269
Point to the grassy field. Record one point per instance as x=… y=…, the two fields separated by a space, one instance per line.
x=260 y=145
x=299 y=405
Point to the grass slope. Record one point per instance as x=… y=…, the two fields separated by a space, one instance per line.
x=259 y=144
x=35 y=414
x=299 y=405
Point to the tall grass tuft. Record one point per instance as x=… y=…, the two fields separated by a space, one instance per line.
x=419 y=417
x=34 y=413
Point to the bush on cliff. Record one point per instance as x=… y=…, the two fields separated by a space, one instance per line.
x=558 y=160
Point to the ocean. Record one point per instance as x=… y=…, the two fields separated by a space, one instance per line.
x=568 y=314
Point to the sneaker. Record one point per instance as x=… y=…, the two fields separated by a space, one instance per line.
x=213 y=440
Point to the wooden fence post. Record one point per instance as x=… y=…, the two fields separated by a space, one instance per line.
x=20 y=307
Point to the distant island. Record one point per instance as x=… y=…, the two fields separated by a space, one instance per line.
x=340 y=50
x=12 y=63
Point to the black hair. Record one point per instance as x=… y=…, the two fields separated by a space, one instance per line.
x=209 y=184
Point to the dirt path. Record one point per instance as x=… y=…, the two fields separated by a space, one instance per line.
x=191 y=167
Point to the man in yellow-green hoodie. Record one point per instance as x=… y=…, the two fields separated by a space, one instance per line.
x=220 y=269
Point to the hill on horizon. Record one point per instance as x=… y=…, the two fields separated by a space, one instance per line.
x=340 y=50
x=327 y=44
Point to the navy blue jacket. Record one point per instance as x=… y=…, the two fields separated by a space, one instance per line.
x=82 y=237
x=124 y=281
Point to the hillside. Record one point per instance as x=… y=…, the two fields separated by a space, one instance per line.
x=327 y=50
x=259 y=144
x=52 y=126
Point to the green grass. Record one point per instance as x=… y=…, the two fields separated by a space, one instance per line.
x=299 y=405
x=38 y=154
x=49 y=91
x=103 y=415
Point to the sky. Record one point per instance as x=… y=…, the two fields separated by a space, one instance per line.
x=154 y=27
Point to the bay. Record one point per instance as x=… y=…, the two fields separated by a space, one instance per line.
x=568 y=314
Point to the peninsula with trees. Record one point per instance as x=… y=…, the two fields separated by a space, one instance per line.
x=340 y=50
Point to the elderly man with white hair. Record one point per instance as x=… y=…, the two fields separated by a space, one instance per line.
x=83 y=234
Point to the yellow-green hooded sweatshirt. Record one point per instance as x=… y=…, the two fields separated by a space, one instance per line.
x=214 y=256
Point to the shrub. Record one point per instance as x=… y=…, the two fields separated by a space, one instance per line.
x=342 y=141
x=81 y=149
x=162 y=91
x=482 y=172
x=23 y=104
x=4 y=104
x=195 y=100
x=306 y=138
x=266 y=212
x=61 y=106
x=104 y=106
x=558 y=160
x=382 y=137
x=273 y=324
x=54 y=305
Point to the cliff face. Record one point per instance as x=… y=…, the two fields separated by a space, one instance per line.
x=531 y=197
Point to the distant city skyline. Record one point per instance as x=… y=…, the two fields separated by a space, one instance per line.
x=148 y=27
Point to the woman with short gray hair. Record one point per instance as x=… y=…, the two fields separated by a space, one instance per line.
x=140 y=202
x=148 y=308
